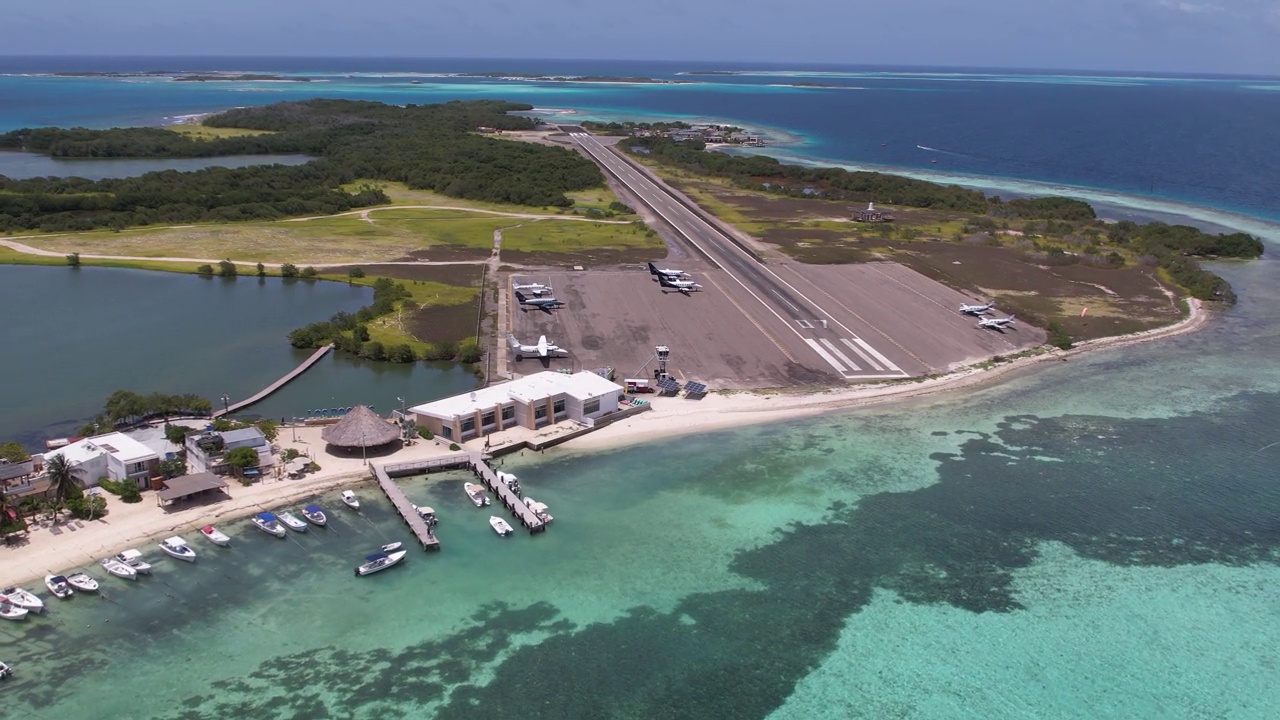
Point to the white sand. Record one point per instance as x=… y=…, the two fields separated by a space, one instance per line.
x=83 y=543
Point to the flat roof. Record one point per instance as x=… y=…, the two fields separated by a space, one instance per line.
x=249 y=433
x=123 y=447
x=180 y=487
x=538 y=386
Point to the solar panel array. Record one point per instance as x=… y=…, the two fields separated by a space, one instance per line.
x=695 y=388
x=668 y=385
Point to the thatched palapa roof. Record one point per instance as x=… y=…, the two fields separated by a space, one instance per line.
x=360 y=428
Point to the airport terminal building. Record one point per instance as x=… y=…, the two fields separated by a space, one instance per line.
x=532 y=402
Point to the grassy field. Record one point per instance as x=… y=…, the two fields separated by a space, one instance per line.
x=575 y=237
x=202 y=132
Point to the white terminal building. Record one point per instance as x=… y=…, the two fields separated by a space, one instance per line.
x=532 y=402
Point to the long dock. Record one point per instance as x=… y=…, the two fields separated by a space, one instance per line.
x=513 y=502
x=277 y=384
x=416 y=524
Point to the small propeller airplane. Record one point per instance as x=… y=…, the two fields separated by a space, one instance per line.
x=542 y=349
x=681 y=286
x=995 y=323
x=977 y=309
x=546 y=304
x=668 y=273
x=534 y=289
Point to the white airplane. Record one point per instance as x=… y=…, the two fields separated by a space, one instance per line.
x=995 y=323
x=542 y=303
x=666 y=272
x=542 y=349
x=977 y=309
x=535 y=289
x=684 y=286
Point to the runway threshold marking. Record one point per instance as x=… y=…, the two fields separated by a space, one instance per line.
x=862 y=354
x=836 y=351
x=768 y=335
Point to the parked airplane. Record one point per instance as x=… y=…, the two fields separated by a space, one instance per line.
x=542 y=349
x=977 y=309
x=666 y=272
x=995 y=323
x=684 y=286
x=535 y=289
x=546 y=304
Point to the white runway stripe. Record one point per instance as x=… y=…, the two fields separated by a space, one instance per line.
x=836 y=351
x=883 y=360
x=861 y=354
x=826 y=355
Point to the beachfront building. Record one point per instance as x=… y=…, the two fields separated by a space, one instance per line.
x=532 y=402
x=361 y=429
x=206 y=449
x=21 y=478
x=115 y=456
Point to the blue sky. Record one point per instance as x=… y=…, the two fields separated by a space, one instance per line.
x=1226 y=36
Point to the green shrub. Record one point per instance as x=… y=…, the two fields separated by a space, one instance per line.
x=454 y=446
x=425 y=434
x=205 y=271
x=1058 y=336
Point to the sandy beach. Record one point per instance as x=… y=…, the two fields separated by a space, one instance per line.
x=76 y=543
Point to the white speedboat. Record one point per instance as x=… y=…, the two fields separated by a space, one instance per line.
x=426 y=513
x=315 y=515
x=292 y=522
x=23 y=599
x=391 y=547
x=133 y=558
x=215 y=536
x=176 y=547
x=120 y=569
x=500 y=526
x=82 y=582
x=5 y=670
x=269 y=524
x=9 y=611
x=477 y=494
x=59 y=586
x=380 y=561
x=350 y=500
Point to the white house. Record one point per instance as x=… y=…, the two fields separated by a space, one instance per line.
x=206 y=448
x=531 y=402
x=115 y=456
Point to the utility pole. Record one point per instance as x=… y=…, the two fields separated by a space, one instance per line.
x=226 y=403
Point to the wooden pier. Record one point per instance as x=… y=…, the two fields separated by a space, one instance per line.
x=416 y=524
x=275 y=385
x=532 y=521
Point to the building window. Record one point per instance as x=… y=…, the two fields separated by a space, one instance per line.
x=468 y=425
x=447 y=432
x=540 y=412
x=137 y=467
x=486 y=419
x=508 y=413
x=591 y=406
x=559 y=407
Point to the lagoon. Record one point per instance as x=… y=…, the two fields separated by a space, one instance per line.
x=74 y=336
x=22 y=165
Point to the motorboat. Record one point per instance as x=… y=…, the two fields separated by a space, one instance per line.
x=315 y=515
x=82 y=582
x=9 y=611
x=176 y=547
x=59 y=586
x=120 y=569
x=133 y=558
x=380 y=561
x=350 y=500
x=5 y=670
x=477 y=494
x=539 y=509
x=391 y=547
x=24 y=599
x=426 y=513
x=500 y=526
x=269 y=524
x=215 y=536
x=292 y=522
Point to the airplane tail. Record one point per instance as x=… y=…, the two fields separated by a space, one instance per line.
x=653 y=269
x=520 y=298
x=511 y=340
x=1011 y=317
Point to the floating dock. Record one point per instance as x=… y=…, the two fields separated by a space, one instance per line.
x=533 y=522
x=383 y=474
x=303 y=367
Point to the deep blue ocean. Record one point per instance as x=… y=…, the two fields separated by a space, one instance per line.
x=1096 y=538
x=1211 y=142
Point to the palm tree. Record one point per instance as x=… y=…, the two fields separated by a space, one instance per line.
x=62 y=478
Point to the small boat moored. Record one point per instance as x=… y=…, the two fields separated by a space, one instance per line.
x=23 y=599
x=215 y=536
x=120 y=569
x=315 y=515
x=9 y=611
x=350 y=500
x=5 y=670
x=500 y=526
x=82 y=582
x=133 y=558
x=379 y=561
x=176 y=547
x=59 y=586
x=269 y=524
x=292 y=522
x=478 y=496
x=426 y=513
x=391 y=547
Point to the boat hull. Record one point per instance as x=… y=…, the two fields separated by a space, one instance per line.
x=375 y=567
x=82 y=582
x=119 y=569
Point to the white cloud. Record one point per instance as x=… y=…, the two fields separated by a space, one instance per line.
x=1191 y=8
